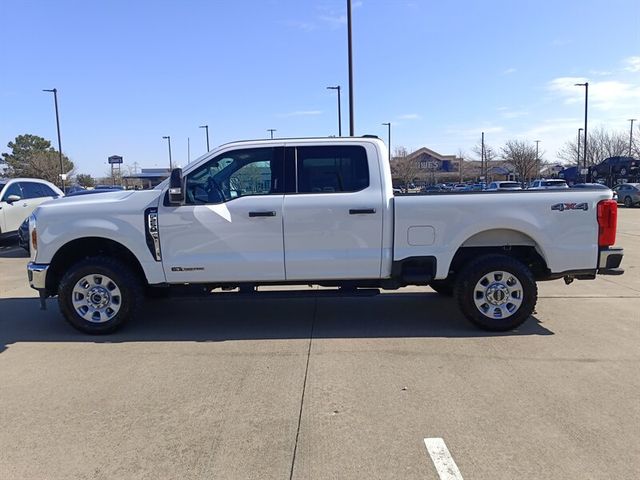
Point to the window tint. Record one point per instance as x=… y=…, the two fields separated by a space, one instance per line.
x=35 y=190
x=13 y=189
x=332 y=169
x=234 y=174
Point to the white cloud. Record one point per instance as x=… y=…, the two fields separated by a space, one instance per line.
x=633 y=64
x=410 y=116
x=509 y=71
x=606 y=95
x=301 y=113
x=506 y=112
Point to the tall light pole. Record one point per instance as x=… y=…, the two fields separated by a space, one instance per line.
x=586 y=105
x=55 y=99
x=206 y=127
x=482 y=158
x=271 y=130
x=537 y=158
x=579 y=136
x=168 y=139
x=337 y=87
x=388 y=125
x=631 y=120
x=350 y=55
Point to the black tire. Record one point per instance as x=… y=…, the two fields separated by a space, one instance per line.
x=628 y=203
x=480 y=268
x=120 y=275
x=443 y=287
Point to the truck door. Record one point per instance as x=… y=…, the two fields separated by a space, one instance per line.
x=14 y=212
x=333 y=223
x=230 y=227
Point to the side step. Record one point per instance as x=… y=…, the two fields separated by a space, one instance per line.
x=245 y=292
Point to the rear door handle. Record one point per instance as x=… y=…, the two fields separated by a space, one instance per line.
x=262 y=214
x=361 y=211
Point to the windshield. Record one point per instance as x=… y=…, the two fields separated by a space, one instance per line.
x=554 y=183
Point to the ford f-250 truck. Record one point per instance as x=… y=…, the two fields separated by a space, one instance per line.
x=314 y=212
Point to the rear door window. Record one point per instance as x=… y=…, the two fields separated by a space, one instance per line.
x=332 y=169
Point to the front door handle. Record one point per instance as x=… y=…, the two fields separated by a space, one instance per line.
x=361 y=211
x=262 y=214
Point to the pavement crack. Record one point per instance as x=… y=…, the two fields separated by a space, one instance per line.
x=304 y=388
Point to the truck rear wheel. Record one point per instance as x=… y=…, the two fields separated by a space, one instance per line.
x=98 y=294
x=496 y=292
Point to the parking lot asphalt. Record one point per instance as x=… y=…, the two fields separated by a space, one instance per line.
x=325 y=388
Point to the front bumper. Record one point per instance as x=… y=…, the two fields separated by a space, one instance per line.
x=609 y=261
x=37 y=273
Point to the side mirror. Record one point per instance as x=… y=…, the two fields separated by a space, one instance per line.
x=13 y=198
x=176 y=187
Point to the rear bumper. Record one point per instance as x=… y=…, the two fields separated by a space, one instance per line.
x=609 y=261
x=37 y=273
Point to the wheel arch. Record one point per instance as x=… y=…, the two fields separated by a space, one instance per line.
x=81 y=248
x=504 y=241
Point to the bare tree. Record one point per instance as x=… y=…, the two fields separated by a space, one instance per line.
x=522 y=157
x=490 y=155
x=405 y=169
x=601 y=144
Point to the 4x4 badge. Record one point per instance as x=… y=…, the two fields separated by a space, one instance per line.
x=561 y=207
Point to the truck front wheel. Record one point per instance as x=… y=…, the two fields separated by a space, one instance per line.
x=496 y=292
x=98 y=294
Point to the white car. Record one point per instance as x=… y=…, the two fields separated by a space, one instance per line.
x=505 y=185
x=19 y=197
x=318 y=211
x=552 y=184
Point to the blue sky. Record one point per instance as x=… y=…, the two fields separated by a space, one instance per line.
x=440 y=72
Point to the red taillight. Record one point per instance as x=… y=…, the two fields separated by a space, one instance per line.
x=607 y=222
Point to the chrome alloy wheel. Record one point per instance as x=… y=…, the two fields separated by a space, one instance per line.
x=498 y=294
x=96 y=298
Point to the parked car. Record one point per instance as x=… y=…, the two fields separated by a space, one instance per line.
x=19 y=197
x=596 y=186
x=73 y=189
x=498 y=186
x=109 y=187
x=620 y=165
x=629 y=194
x=432 y=189
x=548 y=184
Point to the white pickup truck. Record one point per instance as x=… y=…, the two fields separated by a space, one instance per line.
x=314 y=212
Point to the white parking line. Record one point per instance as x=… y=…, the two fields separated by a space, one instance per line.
x=439 y=453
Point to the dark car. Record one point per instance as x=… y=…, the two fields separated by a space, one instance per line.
x=23 y=235
x=594 y=186
x=622 y=166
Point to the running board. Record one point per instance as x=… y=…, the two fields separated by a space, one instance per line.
x=248 y=293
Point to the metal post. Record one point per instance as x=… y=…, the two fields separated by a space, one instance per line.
x=350 y=55
x=389 y=142
x=482 y=157
x=538 y=159
x=339 y=109
x=188 y=150
x=271 y=130
x=578 y=162
x=586 y=105
x=206 y=127
x=55 y=99
x=168 y=138
x=631 y=137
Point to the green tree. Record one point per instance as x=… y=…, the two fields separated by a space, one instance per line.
x=85 y=180
x=33 y=156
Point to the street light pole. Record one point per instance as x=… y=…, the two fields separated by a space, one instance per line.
x=339 y=112
x=586 y=105
x=537 y=158
x=631 y=120
x=168 y=138
x=389 y=130
x=55 y=99
x=271 y=130
x=579 y=136
x=350 y=55
x=206 y=127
